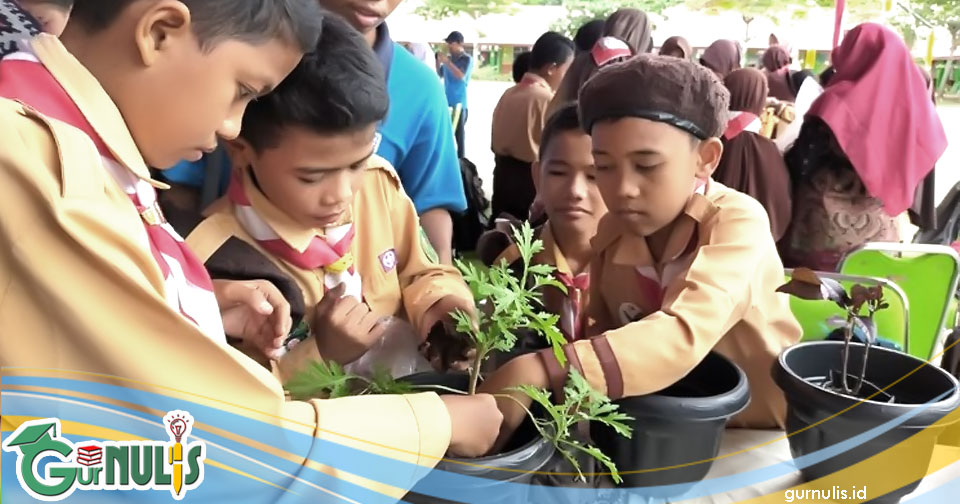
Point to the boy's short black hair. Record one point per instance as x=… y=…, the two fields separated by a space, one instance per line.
x=63 y=4
x=565 y=119
x=254 y=21
x=677 y=92
x=588 y=35
x=338 y=88
x=521 y=65
x=550 y=48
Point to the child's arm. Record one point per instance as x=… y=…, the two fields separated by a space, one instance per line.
x=698 y=310
x=77 y=278
x=424 y=282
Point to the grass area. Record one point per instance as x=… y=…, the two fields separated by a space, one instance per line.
x=490 y=73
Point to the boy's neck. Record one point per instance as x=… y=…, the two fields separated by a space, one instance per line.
x=574 y=246
x=371 y=37
x=657 y=242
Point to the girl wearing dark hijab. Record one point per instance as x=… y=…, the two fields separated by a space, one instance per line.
x=751 y=163
x=678 y=47
x=723 y=57
x=776 y=66
x=625 y=33
x=15 y=26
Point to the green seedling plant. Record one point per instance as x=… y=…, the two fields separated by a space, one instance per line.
x=581 y=403
x=806 y=284
x=507 y=303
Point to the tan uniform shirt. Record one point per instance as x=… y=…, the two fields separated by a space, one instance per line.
x=554 y=300
x=714 y=289
x=398 y=276
x=520 y=117
x=78 y=280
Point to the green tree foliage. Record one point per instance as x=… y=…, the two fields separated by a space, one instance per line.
x=582 y=11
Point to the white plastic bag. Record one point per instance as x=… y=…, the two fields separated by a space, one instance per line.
x=397 y=352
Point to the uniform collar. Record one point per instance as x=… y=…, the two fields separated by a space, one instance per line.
x=94 y=102
x=532 y=79
x=383 y=47
x=289 y=230
x=631 y=249
x=552 y=254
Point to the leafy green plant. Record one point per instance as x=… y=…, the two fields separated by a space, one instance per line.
x=806 y=284
x=509 y=303
x=581 y=403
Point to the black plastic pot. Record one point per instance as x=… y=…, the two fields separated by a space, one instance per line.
x=526 y=453
x=802 y=368
x=681 y=424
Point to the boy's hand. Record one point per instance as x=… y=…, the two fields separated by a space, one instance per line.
x=474 y=424
x=256 y=312
x=344 y=327
x=445 y=348
x=524 y=370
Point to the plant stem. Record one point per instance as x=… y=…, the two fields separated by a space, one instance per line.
x=863 y=370
x=438 y=387
x=847 y=336
x=475 y=371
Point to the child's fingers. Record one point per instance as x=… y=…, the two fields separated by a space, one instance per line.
x=329 y=300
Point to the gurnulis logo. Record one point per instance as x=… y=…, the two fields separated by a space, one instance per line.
x=175 y=466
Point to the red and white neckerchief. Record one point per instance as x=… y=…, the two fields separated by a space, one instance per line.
x=331 y=252
x=608 y=50
x=572 y=325
x=187 y=285
x=740 y=122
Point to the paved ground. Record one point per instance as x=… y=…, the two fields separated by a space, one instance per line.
x=483 y=97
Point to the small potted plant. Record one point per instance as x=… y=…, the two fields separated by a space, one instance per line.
x=506 y=304
x=836 y=390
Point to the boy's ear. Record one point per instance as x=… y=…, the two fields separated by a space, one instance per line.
x=535 y=173
x=162 y=24
x=241 y=153
x=709 y=152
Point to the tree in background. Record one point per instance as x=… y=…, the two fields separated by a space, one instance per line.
x=443 y=9
x=582 y=11
x=782 y=10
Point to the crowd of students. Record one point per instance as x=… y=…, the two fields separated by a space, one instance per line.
x=659 y=201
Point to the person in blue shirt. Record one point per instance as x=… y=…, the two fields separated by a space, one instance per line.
x=456 y=69
x=417 y=136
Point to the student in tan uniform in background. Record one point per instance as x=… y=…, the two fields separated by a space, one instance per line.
x=684 y=265
x=567 y=187
x=312 y=208
x=90 y=269
x=518 y=122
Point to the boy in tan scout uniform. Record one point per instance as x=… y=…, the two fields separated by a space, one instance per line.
x=91 y=272
x=311 y=200
x=567 y=188
x=683 y=265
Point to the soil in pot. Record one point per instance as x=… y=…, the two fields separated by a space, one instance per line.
x=526 y=453
x=801 y=371
x=681 y=424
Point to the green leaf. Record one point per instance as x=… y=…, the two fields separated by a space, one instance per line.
x=541 y=269
x=382 y=382
x=320 y=379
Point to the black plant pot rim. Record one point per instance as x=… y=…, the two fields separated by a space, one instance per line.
x=798 y=390
x=715 y=407
x=504 y=466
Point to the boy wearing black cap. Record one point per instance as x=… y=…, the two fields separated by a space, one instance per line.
x=456 y=69
x=683 y=265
